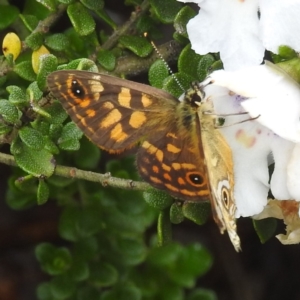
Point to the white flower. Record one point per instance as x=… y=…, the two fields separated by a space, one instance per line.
x=234 y=28
x=250 y=148
x=260 y=91
x=272 y=95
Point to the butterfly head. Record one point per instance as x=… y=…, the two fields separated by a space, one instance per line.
x=195 y=95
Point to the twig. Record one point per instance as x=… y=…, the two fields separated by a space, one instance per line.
x=127 y=26
x=133 y=65
x=104 y=179
x=44 y=25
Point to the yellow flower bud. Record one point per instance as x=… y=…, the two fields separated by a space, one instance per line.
x=35 y=59
x=11 y=45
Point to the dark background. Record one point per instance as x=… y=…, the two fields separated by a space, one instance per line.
x=259 y=272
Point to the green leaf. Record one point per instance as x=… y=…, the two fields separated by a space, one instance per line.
x=87 y=65
x=48 y=64
x=87 y=248
x=30 y=21
x=172 y=292
x=24 y=70
x=286 y=52
x=76 y=223
x=34 y=8
x=80 y=64
x=66 y=1
x=9 y=112
x=49 y=4
x=55 y=130
x=88 y=293
x=123 y=292
x=4 y=129
x=69 y=139
x=106 y=18
x=188 y=62
x=87 y=162
x=205 y=66
x=103 y=275
x=33 y=92
x=35 y=162
x=265 y=228
x=198 y=212
x=44 y=291
x=51 y=147
x=291 y=67
x=157 y=198
x=180 y=38
x=16 y=95
x=202 y=294
x=166 y=256
x=132 y=251
x=62 y=287
x=176 y=213
x=138 y=45
x=193 y=261
x=34 y=40
x=57 y=113
x=42 y=192
x=166 y=10
x=32 y=138
x=58 y=42
x=182 y=18
x=158 y=72
x=164 y=229
x=79 y=271
x=80 y=18
x=9 y=14
x=147 y=24
x=93 y=5
x=53 y=260
x=106 y=59
x=172 y=86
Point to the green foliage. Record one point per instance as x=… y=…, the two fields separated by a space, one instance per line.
x=196 y=211
x=108 y=253
x=265 y=228
x=138 y=45
x=9 y=14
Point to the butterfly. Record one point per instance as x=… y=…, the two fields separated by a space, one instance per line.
x=180 y=151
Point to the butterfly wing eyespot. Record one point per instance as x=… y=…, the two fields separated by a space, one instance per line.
x=77 y=89
x=225 y=196
x=195 y=178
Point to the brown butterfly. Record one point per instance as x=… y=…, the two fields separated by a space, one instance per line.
x=180 y=150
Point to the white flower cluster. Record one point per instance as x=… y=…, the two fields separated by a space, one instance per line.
x=241 y=31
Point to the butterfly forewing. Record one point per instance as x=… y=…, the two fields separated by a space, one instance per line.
x=114 y=114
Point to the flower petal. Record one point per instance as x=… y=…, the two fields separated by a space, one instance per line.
x=229 y=27
x=250 y=146
x=280 y=23
x=293 y=173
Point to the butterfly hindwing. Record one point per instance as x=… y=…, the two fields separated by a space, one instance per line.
x=219 y=162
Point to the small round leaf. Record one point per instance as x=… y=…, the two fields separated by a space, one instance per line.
x=81 y=19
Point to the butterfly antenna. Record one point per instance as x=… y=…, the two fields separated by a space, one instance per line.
x=166 y=64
